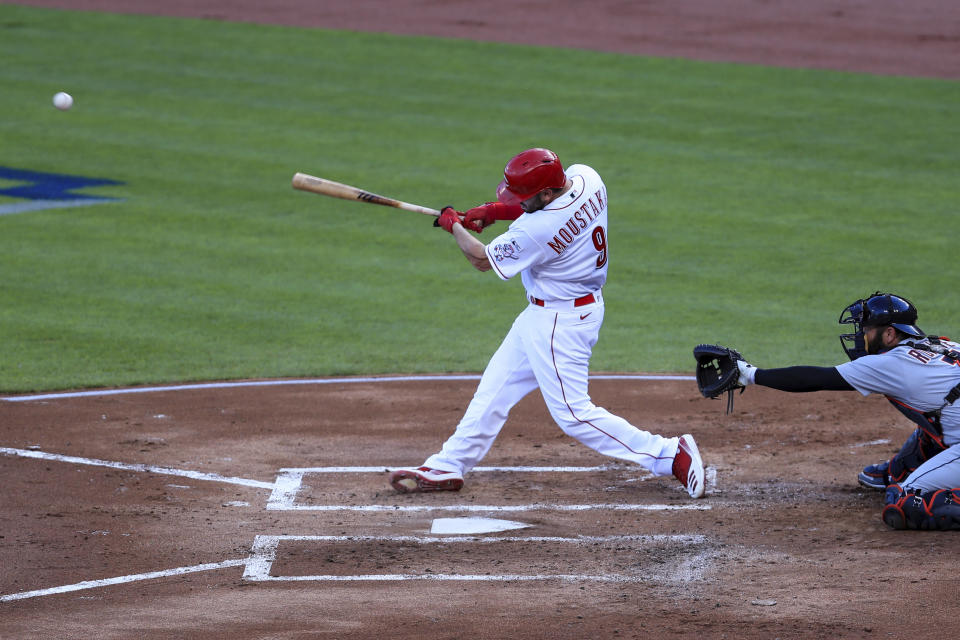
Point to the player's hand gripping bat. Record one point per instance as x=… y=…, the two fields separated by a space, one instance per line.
x=313 y=184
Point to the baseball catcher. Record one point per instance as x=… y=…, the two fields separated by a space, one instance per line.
x=920 y=376
x=718 y=371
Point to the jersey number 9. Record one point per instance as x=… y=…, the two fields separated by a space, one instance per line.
x=600 y=242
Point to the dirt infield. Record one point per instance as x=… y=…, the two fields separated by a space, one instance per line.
x=221 y=513
x=784 y=545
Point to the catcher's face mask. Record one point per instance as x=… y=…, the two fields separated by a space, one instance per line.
x=879 y=310
x=853 y=343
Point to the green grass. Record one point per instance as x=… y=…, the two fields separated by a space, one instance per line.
x=749 y=205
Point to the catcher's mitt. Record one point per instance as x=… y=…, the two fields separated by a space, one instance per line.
x=717 y=371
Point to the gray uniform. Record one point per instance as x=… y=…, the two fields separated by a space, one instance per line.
x=920 y=379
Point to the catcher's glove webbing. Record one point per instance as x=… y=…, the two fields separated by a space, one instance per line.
x=717 y=371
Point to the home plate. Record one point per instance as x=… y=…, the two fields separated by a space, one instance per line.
x=474 y=525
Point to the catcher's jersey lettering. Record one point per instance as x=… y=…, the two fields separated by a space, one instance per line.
x=913 y=376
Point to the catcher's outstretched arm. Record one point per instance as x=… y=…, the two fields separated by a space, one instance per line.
x=802 y=379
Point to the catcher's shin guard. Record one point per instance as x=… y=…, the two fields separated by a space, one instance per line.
x=918 y=448
x=938 y=509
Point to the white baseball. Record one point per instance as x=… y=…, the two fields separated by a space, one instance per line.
x=63 y=101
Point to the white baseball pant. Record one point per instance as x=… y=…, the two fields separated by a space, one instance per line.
x=550 y=347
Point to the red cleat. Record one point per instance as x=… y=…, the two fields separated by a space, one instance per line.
x=688 y=467
x=425 y=479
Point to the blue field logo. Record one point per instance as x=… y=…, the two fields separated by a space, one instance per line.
x=38 y=191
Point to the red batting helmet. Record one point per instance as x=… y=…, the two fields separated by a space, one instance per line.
x=528 y=173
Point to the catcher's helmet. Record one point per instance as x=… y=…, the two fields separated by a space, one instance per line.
x=879 y=310
x=528 y=173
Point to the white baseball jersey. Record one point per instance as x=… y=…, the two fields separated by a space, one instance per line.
x=561 y=255
x=560 y=251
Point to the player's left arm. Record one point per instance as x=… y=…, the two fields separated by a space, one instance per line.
x=478 y=218
x=473 y=249
x=451 y=220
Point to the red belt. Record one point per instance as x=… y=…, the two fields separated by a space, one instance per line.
x=579 y=302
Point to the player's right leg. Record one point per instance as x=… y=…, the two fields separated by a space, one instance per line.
x=505 y=381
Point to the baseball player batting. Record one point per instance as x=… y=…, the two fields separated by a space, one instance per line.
x=918 y=374
x=558 y=244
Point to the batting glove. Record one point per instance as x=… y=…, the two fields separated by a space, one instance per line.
x=747 y=372
x=448 y=217
x=478 y=218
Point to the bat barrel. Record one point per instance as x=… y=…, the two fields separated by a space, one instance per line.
x=322 y=186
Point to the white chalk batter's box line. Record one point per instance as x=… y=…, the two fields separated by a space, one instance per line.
x=289 y=482
x=284 y=490
x=259 y=563
x=308 y=381
x=264 y=553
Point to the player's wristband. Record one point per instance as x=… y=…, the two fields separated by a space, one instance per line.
x=503 y=211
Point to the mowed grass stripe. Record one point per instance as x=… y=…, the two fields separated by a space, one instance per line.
x=749 y=204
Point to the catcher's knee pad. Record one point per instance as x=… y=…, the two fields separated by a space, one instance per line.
x=918 y=448
x=913 y=509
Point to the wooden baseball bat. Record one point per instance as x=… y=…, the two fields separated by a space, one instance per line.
x=313 y=184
